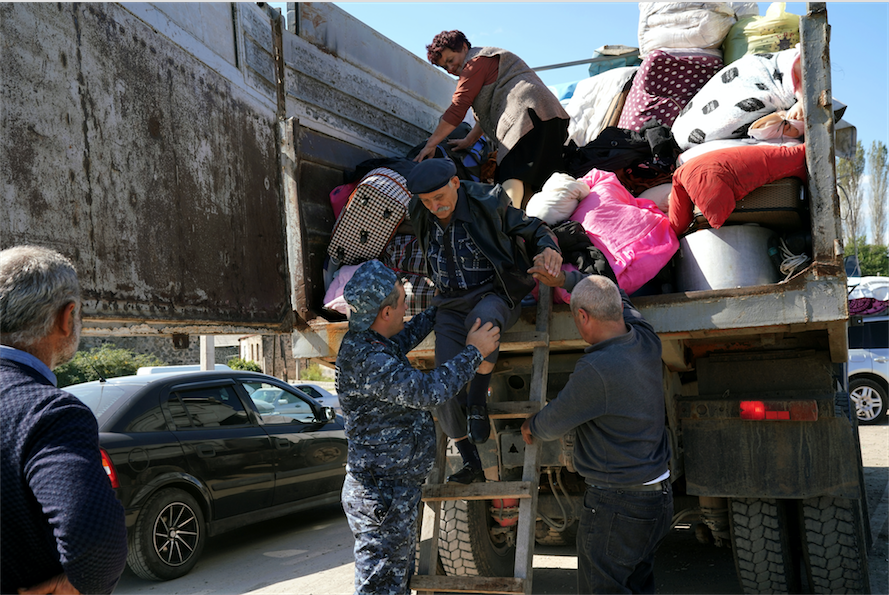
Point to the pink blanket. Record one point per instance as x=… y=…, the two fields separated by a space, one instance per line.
x=633 y=233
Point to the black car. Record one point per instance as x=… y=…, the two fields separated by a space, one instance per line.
x=192 y=455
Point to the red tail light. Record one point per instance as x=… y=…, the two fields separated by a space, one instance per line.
x=783 y=411
x=109 y=469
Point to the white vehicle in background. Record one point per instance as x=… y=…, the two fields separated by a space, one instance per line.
x=320 y=394
x=144 y=370
x=868 y=367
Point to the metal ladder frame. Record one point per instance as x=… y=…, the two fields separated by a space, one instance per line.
x=436 y=491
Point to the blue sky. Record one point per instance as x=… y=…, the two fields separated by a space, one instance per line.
x=552 y=33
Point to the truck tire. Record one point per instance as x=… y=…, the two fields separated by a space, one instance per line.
x=168 y=537
x=834 y=547
x=466 y=545
x=762 y=546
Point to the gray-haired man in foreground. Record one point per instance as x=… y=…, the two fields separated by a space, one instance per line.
x=63 y=527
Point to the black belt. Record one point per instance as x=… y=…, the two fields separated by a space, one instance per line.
x=654 y=487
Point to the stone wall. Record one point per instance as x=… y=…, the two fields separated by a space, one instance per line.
x=162 y=348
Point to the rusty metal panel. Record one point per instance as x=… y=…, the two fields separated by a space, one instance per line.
x=820 y=159
x=347 y=81
x=815 y=299
x=337 y=33
x=786 y=459
x=764 y=371
x=151 y=170
x=209 y=22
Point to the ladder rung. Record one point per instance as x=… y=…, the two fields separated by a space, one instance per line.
x=512 y=409
x=468 y=584
x=521 y=340
x=476 y=491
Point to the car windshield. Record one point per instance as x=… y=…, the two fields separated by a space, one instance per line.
x=100 y=397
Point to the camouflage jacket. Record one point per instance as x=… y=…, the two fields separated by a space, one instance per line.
x=387 y=402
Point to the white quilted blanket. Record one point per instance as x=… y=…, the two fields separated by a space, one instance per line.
x=589 y=104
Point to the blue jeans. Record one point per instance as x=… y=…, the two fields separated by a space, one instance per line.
x=619 y=533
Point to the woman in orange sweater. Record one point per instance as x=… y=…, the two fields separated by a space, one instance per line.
x=512 y=107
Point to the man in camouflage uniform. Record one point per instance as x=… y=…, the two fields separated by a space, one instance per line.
x=391 y=433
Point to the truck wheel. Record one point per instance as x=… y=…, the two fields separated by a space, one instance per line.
x=870 y=400
x=761 y=546
x=834 y=547
x=466 y=545
x=168 y=537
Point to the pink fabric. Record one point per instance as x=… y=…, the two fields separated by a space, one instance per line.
x=664 y=85
x=866 y=306
x=339 y=197
x=632 y=233
x=333 y=298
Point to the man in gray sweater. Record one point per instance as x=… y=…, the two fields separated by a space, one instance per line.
x=614 y=401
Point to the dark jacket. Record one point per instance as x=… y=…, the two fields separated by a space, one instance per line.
x=59 y=511
x=505 y=234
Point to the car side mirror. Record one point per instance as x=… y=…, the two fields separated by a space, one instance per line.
x=328 y=414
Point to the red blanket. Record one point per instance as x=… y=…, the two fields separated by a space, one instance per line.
x=715 y=181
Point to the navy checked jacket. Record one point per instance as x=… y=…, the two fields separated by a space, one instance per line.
x=58 y=510
x=387 y=402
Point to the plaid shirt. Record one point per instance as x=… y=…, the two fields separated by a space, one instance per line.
x=471 y=267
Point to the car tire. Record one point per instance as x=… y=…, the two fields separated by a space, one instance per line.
x=869 y=398
x=168 y=537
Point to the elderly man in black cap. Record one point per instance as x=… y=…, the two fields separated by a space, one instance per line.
x=391 y=434
x=477 y=247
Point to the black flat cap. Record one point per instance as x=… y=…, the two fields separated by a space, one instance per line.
x=430 y=175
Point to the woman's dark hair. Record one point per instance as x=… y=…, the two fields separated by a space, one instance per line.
x=446 y=40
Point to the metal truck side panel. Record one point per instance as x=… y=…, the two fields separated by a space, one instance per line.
x=777 y=459
x=152 y=171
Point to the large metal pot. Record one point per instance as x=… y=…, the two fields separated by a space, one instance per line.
x=728 y=257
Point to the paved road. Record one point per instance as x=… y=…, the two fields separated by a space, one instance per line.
x=311 y=553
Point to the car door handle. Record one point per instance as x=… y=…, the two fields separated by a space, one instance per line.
x=282 y=444
x=880 y=360
x=205 y=451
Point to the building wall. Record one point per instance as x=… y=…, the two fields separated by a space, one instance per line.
x=273 y=353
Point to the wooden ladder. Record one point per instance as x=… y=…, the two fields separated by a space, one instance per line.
x=435 y=491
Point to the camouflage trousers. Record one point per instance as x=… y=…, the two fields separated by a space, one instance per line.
x=383 y=518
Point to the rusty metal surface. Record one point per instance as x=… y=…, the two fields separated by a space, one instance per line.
x=743 y=459
x=147 y=168
x=820 y=160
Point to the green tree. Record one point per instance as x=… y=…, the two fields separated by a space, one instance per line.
x=873 y=260
x=312 y=373
x=849 y=172
x=105 y=361
x=878 y=170
x=237 y=363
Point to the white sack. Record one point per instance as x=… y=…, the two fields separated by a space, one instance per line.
x=660 y=196
x=558 y=199
x=688 y=24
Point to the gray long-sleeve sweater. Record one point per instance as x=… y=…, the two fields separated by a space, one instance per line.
x=615 y=399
